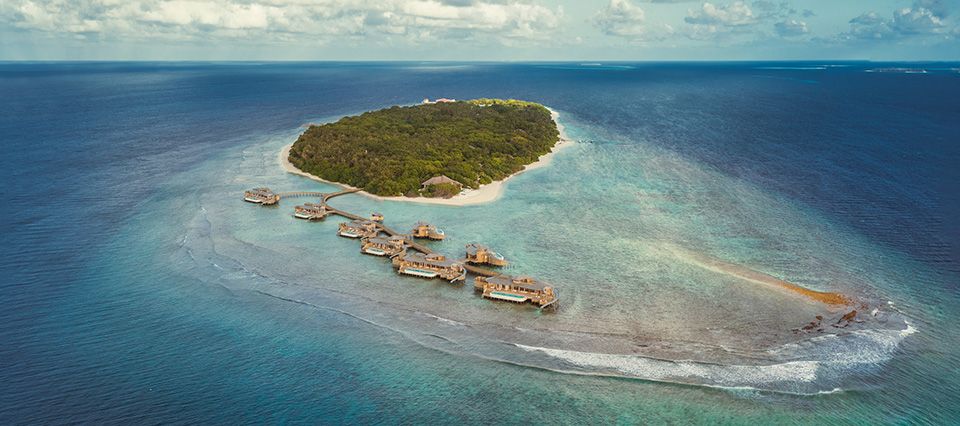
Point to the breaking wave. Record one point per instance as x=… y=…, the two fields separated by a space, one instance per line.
x=820 y=365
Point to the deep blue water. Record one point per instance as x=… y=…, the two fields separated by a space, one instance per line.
x=103 y=319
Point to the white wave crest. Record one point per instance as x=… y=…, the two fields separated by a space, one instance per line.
x=816 y=366
x=688 y=371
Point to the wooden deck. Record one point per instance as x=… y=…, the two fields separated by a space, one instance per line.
x=300 y=194
x=326 y=196
x=391 y=232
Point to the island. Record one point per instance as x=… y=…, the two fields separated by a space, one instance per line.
x=430 y=151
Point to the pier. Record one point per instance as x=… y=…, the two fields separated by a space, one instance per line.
x=300 y=194
x=541 y=300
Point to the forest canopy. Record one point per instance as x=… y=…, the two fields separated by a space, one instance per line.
x=391 y=151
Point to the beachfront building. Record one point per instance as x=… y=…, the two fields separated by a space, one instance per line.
x=481 y=254
x=426 y=230
x=358 y=229
x=516 y=289
x=432 y=265
x=438 y=180
x=261 y=196
x=383 y=246
x=438 y=101
x=310 y=211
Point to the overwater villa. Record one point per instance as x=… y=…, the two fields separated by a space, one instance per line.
x=310 y=211
x=358 y=229
x=516 y=289
x=429 y=266
x=376 y=217
x=481 y=254
x=426 y=230
x=383 y=246
x=261 y=196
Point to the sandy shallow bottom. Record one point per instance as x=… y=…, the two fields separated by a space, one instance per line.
x=640 y=256
x=484 y=194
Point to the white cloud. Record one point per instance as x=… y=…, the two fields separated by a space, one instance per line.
x=765 y=9
x=939 y=8
x=730 y=15
x=624 y=19
x=620 y=18
x=869 y=18
x=906 y=22
x=266 y=20
x=916 y=21
x=791 y=28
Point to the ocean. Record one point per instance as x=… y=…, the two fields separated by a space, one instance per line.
x=138 y=287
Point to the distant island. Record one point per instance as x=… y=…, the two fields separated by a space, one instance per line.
x=434 y=149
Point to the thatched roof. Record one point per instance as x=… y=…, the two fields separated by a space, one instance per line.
x=433 y=259
x=440 y=179
x=523 y=282
x=473 y=249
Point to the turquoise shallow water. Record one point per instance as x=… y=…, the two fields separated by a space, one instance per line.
x=172 y=299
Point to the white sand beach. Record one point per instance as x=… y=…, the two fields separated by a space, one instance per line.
x=485 y=194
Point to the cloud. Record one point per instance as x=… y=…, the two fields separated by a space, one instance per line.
x=791 y=28
x=624 y=19
x=765 y=9
x=313 y=21
x=905 y=22
x=937 y=7
x=620 y=18
x=916 y=21
x=730 y=15
x=869 y=18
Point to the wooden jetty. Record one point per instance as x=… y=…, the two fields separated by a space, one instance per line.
x=414 y=254
x=266 y=197
x=301 y=194
x=516 y=289
x=481 y=254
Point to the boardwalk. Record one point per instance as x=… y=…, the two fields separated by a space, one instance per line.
x=326 y=196
x=391 y=232
x=371 y=229
x=300 y=194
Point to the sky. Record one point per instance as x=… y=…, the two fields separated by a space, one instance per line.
x=479 y=30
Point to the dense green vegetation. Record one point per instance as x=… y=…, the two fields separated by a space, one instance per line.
x=391 y=151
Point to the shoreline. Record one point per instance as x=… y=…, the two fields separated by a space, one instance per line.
x=484 y=194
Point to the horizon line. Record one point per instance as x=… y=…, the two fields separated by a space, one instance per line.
x=532 y=61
